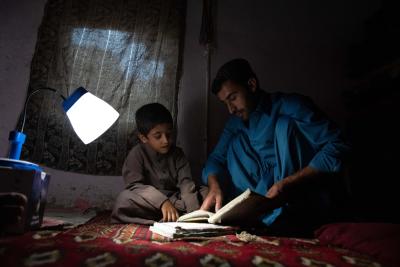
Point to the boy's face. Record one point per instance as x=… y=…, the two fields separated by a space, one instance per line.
x=159 y=138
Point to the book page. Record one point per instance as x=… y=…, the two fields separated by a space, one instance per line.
x=216 y=218
x=196 y=216
x=246 y=209
x=181 y=227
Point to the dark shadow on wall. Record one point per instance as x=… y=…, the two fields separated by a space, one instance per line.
x=373 y=106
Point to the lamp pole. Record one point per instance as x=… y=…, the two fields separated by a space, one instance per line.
x=17 y=137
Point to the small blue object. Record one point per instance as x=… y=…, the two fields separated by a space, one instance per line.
x=17 y=139
x=16 y=164
x=71 y=100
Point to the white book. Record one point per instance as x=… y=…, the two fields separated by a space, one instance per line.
x=242 y=210
x=190 y=230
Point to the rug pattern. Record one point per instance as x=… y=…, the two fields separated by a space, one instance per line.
x=99 y=243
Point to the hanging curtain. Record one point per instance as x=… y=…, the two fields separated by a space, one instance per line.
x=126 y=52
x=206 y=38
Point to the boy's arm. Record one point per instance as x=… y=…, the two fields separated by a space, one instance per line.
x=186 y=184
x=135 y=181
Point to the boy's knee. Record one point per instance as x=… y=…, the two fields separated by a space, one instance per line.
x=124 y=201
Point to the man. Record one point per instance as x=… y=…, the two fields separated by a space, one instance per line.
x=276 y=144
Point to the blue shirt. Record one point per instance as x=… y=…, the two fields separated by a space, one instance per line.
x=258 y=138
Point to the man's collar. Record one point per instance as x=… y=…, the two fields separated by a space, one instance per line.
x=263 y=101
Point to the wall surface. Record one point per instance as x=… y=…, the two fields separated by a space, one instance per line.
x=294 y=46
x=19 y=23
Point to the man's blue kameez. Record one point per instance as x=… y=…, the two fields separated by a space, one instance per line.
x=284 y=134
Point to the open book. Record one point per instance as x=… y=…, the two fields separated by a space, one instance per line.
x=245 y=209
x=181 y=230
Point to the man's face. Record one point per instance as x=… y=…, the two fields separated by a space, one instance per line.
x=159 y=138
x=237 y=99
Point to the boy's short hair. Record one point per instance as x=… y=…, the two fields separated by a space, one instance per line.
x=149 y=115
x=236 y=70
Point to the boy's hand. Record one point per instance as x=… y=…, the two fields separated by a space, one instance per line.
x=170 y=214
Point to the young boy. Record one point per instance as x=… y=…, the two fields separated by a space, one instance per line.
x=157 y=175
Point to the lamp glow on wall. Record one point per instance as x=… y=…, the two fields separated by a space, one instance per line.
x=89 y=115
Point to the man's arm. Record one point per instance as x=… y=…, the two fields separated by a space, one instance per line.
x=325 y=138
x=282 y=190
x=215 y=167
x=214 y=197
x=216 y=161
x=321 y=133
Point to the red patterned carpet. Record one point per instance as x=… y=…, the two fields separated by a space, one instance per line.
x=99 y=243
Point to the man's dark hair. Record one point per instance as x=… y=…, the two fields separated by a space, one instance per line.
x=149 y=115
x=237 y=70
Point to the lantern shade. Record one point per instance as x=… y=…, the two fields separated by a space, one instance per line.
x=90 y=116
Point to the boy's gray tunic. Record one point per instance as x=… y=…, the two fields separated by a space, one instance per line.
x=152 y=178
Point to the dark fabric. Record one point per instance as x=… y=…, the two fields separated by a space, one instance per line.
x=207 y=28
x=151 y=179
x=380 y=240
x=125 y=52
x=99 y=243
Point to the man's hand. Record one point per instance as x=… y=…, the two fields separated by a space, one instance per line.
x=12 y=209
x=284 y=189
x=170 y=214
x=276 y=190
x=214 y=196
